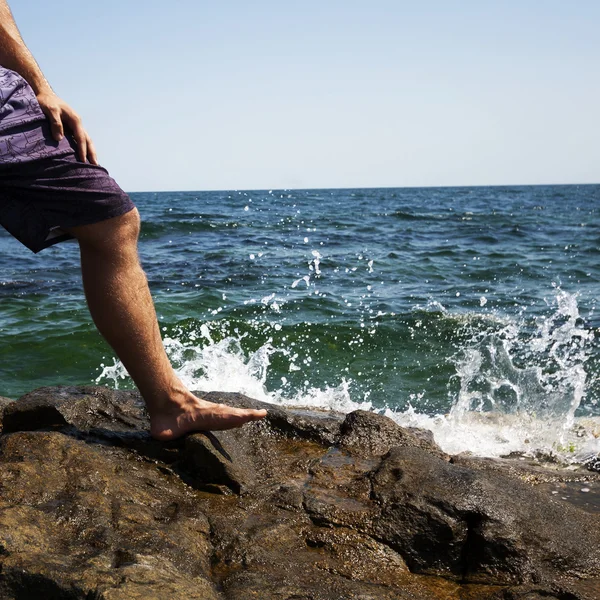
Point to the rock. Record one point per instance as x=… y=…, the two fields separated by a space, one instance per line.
x=478 y=527
x=564 y=484
x=211 y=464
x=525 y=470
x=4 y=402
x=319 y=426
x=77 y=518
x=368 y=433
x=559 y=590
x=593 y=463
x=304 y=505
x=82 y=407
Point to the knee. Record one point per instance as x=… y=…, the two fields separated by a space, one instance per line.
x=127 y=227
x=117 y=234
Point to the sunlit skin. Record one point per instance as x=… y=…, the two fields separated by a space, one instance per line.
x=115 y=285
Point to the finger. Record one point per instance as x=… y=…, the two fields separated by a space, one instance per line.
x=80 y=137
x=82 y=150
x=91 y=151
x=56 y=125
x=73 y=122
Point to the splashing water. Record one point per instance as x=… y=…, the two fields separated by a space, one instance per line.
x=516 y=388
x=520 y=385
x=226 y=367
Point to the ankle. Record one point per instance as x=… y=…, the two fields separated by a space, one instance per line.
x=171 y=399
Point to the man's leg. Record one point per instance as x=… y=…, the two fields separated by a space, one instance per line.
x=119 y=300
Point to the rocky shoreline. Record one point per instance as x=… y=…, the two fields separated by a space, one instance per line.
x=304 y=505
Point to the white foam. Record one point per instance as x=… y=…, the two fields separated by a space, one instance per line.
x=496 y=434
x=519 y=385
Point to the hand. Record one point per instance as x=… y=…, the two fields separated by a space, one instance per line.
x=62 y=116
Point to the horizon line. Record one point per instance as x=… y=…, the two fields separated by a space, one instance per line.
x=384 y=187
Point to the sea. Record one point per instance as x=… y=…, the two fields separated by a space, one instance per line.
x=468 y=311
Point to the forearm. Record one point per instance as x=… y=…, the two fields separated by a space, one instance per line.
x=15 y=55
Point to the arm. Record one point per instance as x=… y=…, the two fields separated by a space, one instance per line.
x=15 y=55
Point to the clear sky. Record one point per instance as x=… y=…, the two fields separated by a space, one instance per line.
x=195 y=95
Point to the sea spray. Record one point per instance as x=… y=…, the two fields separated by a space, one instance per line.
x=226 y=367
x=521 y=382
x=516 y=386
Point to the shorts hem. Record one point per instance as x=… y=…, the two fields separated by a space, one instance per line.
x=122 y=210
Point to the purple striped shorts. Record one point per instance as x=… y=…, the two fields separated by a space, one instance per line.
x=43 y=187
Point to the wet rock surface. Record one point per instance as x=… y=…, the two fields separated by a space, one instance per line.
x=304 y=505
x=4 y=402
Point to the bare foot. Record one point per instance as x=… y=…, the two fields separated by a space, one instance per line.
x=199 y=415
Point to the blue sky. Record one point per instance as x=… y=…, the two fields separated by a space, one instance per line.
x=258 y=95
